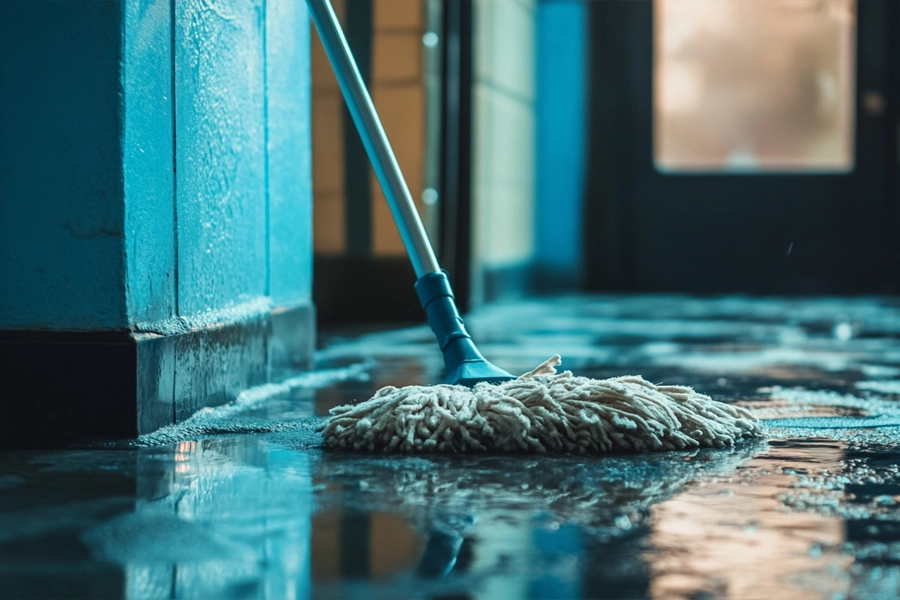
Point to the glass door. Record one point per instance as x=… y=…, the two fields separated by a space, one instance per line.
x=743 y=146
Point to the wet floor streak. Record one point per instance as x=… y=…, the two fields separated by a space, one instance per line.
x=244 y=504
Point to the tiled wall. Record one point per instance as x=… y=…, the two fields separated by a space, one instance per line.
x=503 y=131
x=399 y=96
x=328 y=151
x=397 y=89
x=504 y=134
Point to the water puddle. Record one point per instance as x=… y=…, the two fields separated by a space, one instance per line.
x=241 y=502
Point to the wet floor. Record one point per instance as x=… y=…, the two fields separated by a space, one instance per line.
x=242 y=502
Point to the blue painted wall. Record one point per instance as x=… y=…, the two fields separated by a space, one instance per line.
x=61 y=208
x=147 y=156
x=220 y=153
x=289 y=155
x=560 y=138
x=152 y=171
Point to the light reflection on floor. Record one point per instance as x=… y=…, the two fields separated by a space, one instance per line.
x=812 y=513
x=729 y=536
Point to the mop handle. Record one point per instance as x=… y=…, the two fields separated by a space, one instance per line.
x=374 y=139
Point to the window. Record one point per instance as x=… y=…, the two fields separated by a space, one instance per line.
x=751 y=86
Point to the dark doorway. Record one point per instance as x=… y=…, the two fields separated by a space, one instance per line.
x=742 y=225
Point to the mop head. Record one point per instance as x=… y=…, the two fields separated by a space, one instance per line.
x=541 y=411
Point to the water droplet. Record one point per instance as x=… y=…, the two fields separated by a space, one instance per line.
x=430 y=39
x=843 y=331
x=430 y=196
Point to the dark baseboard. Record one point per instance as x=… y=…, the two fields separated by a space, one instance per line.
x=547 y=280
x=66 y=387
x=350 y=289
x=508 y=282
x=292 y=340
x=56 y=385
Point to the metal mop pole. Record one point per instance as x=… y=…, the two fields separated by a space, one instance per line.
x=464 y=364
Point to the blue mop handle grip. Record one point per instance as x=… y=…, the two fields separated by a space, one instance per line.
x=437 y=299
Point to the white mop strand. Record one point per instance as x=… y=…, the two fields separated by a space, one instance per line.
x=541 y=411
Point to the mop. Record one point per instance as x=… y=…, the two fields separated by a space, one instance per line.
x=480 y=407
x=541 y=411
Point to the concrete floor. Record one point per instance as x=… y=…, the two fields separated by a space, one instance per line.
x=242 y=502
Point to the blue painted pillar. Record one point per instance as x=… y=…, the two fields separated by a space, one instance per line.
x=147 y=155
x=62 y=262
x=155 y=207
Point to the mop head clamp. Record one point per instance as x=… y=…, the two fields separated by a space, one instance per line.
x=463 y=363
x=541 y=411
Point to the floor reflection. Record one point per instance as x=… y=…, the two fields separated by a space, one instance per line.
x=245 y=504
x=236 y=517
x=730 y=537
x=531 y=527
x=226 y=518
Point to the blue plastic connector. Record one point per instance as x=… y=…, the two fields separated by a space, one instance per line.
x=463 y=362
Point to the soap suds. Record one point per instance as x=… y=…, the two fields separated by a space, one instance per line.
x=882 y=387
x=220 y=419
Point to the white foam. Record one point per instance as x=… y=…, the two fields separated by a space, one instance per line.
x=219 y=419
